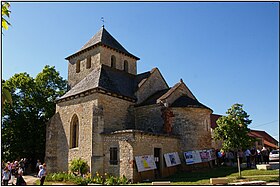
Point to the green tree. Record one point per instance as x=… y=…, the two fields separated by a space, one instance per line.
x=5 y=93
x=24 y=122
x=233 y=130
x=5 y=13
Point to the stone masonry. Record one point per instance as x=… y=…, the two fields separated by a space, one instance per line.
x=136 y=114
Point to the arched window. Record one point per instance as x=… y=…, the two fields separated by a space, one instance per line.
x=113 y=61
x=125 y=66
x=78 y=64
x=88 y=62
x=74 y=132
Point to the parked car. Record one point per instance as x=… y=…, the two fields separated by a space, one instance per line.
x=274 y=155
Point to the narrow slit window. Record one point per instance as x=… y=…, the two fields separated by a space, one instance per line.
x=113 y=61
x=125 y=66
x=88 y=62
x=78 y=66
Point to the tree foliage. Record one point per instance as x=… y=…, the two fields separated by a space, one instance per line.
x=79 y=166
x=5 y=13
x=233 y=129
x=24 y=122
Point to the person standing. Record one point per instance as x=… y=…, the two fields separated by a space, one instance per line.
x=265 y=155
x=248 y=158
x=42 y=174
x=37 y=166
x=259 y=156
x=20 y=180
x=13 y=174
x=6 y=176
x=253 y=156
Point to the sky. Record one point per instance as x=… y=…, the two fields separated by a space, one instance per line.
x=226 y=53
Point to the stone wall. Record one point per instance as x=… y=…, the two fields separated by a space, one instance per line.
x=115 y=112
x=83 y=108
x=153 y=84
x=131 y=144
x=125 y=154
x=73 y=77
x=106 y=54
x=193 y=127
x=144 y=145
x=149 y=118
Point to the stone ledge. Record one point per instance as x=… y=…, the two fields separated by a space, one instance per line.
x=249 y=183
x=161 y=183
x=263 y=167
x=219 y=181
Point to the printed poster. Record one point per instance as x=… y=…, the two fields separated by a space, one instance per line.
x=204 y=155
x=172 y=159
x=145 y=163
x=192 y=157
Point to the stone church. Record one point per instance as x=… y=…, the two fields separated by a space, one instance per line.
x=110 y=114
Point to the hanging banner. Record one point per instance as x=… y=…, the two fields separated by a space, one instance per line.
x=172 y=159
x=192 y=157
x=212 y=154
x=204 y=155
x=145 y=163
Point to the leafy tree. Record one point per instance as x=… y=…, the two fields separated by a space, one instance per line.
x=5 y=13
x=233 y=130
x=24 y=122
x=5 y=95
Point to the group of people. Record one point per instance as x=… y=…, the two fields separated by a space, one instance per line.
x=256 y=156
x=14 y=170
x=11 y=171
x=253 y=157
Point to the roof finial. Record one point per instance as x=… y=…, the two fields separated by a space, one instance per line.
x=102 y=19
x=181 y=80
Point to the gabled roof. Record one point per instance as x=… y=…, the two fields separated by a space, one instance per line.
x=151 y=100
x=213 y=119
x=105 y=38
x=186 y=101
x=265 y=135
x=105 y=78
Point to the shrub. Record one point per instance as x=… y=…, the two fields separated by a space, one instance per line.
x=79 y=166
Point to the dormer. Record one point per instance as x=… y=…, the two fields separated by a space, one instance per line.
x=102 y=48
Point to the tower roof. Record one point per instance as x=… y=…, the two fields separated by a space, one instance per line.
x=103 y=37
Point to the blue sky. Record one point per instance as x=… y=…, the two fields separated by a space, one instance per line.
x=226 y=53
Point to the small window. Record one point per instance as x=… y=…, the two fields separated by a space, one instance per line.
x=113 y=61
x=88 y=62
x=74 y=132
x=113 y=156
x=125 y=66
x=78 y=64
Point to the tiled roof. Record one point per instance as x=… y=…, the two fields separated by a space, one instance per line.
x=105 y=38
x=186 y=101
x=153 y=98
x=108 y=79
x=213 y=119
x=265 y=135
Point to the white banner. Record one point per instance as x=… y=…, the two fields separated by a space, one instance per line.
x=145 y=163
x=192 y=157
x=172 y=159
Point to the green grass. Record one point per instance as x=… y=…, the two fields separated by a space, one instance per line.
x=202 y=177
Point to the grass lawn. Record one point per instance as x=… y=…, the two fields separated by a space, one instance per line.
x=203 y=176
